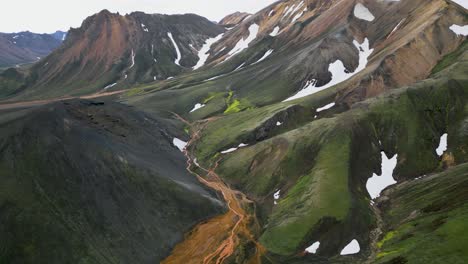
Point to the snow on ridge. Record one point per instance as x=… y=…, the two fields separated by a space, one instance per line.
x=442 y=145
x=133 y=60
x=288 y=11
x=267 y=53
x=110 y=86
x=203 y=53
x=362 y=12
x=234 y=149
x=275 y=31
x=179 y=55
x=313 y=248
x=197 y=106
x=181 y=145
x=243 y=43
x=276 y=196
x=326 y=107
x=376 y=184
x=338 y=71
x=351 y=249
x=459 y=30
x=296 y=17
x=396 y=27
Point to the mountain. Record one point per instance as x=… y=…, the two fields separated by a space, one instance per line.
x=114 y=51
x=333 y=132
x=26 y=47
x=234 y=19
x=120 y=193
x=59 y=35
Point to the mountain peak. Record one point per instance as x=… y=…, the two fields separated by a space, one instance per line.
x=234 y=18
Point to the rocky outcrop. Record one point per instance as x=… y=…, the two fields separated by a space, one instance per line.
x=234 y=19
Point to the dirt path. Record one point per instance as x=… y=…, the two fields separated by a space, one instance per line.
x=25 y=104
x=217 y=239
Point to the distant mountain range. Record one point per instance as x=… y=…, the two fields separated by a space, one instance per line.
x=26 y=47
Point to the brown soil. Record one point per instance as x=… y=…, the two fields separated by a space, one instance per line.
x=217 y=239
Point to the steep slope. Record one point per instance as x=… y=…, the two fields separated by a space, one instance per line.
x=426 y=217
x=321 y=165
x=234 y=19
x=306 y=163
x=273 y=56
x=114 y=51
x=26 y=47
x=93 y=182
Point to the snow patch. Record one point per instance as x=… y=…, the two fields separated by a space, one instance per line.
x=179 y=55
x=326 y=107
x=110 y=86
x=181 y=145
x=396 y=27
x=279 y=123
x=460 y=30
x=351 y=248
x=240 y=67
x=275 y=31
x=203 y=53
x=361 y=12
x=234 y=149
x=276 y=196
x=133 y=60
x=442 y=145
x=268 y=53
x=196 y=107
x=338 y=71
x=376 y=184
x=298 y=15
x=144 y=28
x=313 y=248
x=242 y=44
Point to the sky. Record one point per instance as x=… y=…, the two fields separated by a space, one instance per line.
x=47 y=16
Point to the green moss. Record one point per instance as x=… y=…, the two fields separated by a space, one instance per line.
x=321 y=193
x=387 y=237
x=233 y=107
x=450 y=58
x=439 y=219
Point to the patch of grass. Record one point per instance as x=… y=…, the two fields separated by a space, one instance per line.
x=435 y=236
x=450 y=58
x=321 y=193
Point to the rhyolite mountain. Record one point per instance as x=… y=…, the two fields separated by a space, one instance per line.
x=114 y=51
x=234 y=19
x=300 y=109
x=26 y=47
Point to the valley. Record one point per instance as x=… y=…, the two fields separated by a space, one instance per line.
x=310 y=131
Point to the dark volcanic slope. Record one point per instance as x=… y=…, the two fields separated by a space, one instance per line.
x=86 y=182
x=112 y=51
x=26 y=47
